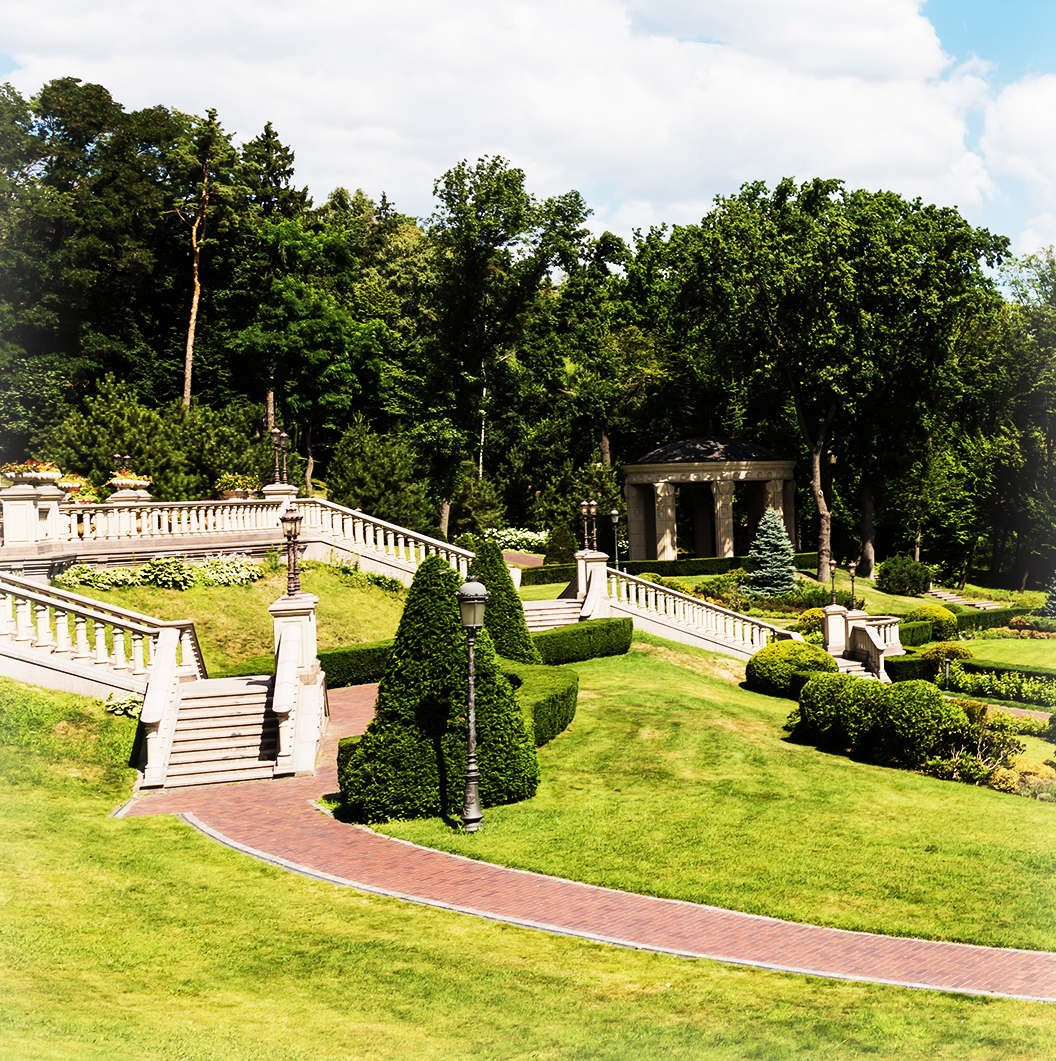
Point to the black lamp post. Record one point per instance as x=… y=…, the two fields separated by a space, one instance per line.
x=275 y=432
x=592 y=508
x=852 y=567
x=284 y=444
x=614 y=515
x=291 y=525
x=122 y=461
x=471 y=600
x=584 y=511
x=832 y=576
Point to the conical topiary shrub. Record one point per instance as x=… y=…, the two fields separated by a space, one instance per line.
x=773 y=559
x=411 y=761
x=504 y=614
x=1048 y=609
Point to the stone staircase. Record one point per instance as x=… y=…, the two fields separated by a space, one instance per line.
x=947 y=597
x=855 y=668
x=547 y=614
x=225 y=731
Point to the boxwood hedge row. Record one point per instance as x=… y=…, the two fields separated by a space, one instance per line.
x=586 y=640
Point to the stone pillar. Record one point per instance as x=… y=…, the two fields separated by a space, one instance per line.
x=20 y=514
x=723 y=493
x=703 y=520
x=775 y=496
x=666 y=528
x=637 y=548
x=835 y=626
x=593 y=587
x=48 y=514
x=298 y=609
x=788 y=510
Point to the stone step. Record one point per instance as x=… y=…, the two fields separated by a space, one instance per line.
x=257 y=772
x=221 y=740
x=263 y=751
x=220 y=708
x=545 y=615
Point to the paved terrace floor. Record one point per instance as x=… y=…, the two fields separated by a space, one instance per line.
x=275 y=821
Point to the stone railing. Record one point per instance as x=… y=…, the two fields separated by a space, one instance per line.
x=886 y=629
x=160 y=519
x=865 y=645
x=89 y=631
x=684 y=610
x=359 y=529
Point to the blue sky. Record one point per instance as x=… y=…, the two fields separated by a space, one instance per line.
x=649 y=107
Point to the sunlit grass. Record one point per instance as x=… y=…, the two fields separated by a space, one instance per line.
x=139 y=939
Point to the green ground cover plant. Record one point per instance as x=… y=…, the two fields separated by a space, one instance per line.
x=687 y=788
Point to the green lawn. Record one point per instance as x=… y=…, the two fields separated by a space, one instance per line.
x=142 y=940
x=233 y=624
x=1027 y=652
x=674 y=781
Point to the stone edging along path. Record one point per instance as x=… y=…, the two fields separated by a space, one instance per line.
x=275 y=821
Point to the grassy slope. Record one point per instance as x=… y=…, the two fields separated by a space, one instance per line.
x=142 y=940
x=233 y=623
x=687 y=789
x=1022 y=650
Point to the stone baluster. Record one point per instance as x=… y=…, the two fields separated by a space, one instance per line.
x=120 y=657
x=7 y=615
x=62 y=631
x=83 y=650
x=138 y=663
x=102 y=657
x=187 y=650
x=23 y=620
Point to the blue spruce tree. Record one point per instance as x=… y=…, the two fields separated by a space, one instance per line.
x=773 y=560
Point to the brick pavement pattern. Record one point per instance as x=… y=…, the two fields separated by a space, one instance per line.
x=274 y=821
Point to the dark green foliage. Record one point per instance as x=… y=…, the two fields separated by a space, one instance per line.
x=910 y=634
x=587 y=640
x=1048 y=610
x=918 y=724
x=771 y=559
x=817 y=721
x=903 y=576
x=560 y=546
x=770 y=670
x=504 y=613
x=910 y=667
x=356 y=664
x=977 y=619
x=381 y=475
x=709 y=565
x=943 y=621
x=411 y=760
x=547 y=696
x=548 y=574
x=945 y=650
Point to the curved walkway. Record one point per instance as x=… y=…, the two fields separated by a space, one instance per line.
x=275 y=821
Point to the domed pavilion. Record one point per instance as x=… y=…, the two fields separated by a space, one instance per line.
x=710 y=469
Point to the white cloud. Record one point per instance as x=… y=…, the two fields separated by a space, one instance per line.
x=1019 y=137
x=589 y=93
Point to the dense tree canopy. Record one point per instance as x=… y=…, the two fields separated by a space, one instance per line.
x=497 y=360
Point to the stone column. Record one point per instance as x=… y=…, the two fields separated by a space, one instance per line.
x=835 y=626
x=20 y=514
x=666 y=528
x=788 y=510
x=723 y=492
x=637 y=548
x=775 y=496
x=48 y=515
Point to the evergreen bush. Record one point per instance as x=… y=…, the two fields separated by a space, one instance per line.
x=772 y=559
x=1048 y=609
x=903 y=576
x=770 y=670
x=411 y=761
x=910 y=634
x=504 y=613
x=587 y=640
x=560 y=546
x=943 y=621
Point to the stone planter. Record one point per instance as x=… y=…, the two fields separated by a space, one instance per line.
x=235 y=495
x=33 y=478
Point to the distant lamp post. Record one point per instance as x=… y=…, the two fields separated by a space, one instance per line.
x=291 y=526
x=284 y=445
x=832 y=576
x=275 y=432
x=852 y=567
x=592 y=508
x=122 y=462
x=614 y=515
x=471 y=600
x=584 y=511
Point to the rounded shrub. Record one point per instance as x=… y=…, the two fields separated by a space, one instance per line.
x=919 y=724
x=411 y=761
x=943 y=621
x=770 y=670
x=504 y=613
x=811 y=621
x=945 y=650
x=818 y=720
x=903 y=576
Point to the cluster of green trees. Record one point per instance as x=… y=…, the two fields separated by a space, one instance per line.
x=496 y=361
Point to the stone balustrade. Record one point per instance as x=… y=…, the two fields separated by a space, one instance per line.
x=87 y=631
x=683 y=610
x=160 y=519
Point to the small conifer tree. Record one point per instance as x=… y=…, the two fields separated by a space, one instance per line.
x=560 y=546
x=504 y=614
x=411 y=761
x=1048 y=610
x=773 y=559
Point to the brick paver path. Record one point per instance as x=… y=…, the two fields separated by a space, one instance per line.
x=274 y=820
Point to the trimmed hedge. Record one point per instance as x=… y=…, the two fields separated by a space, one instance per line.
x=547 y=574
x=1008 y=668
x=943 y=621
x=914 y=634
x=708 y=565
x=546 y=695
x=975 y=619
x=356 y=664
x=771 y=669
x=910 y=667
x=587 y=640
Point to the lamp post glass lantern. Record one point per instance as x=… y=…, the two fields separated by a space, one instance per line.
x=852 y=567
x=614 y=515
x=291 y=526
x=472 y=598
x=592 y=506
x=584 y=511
x=832 y=576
